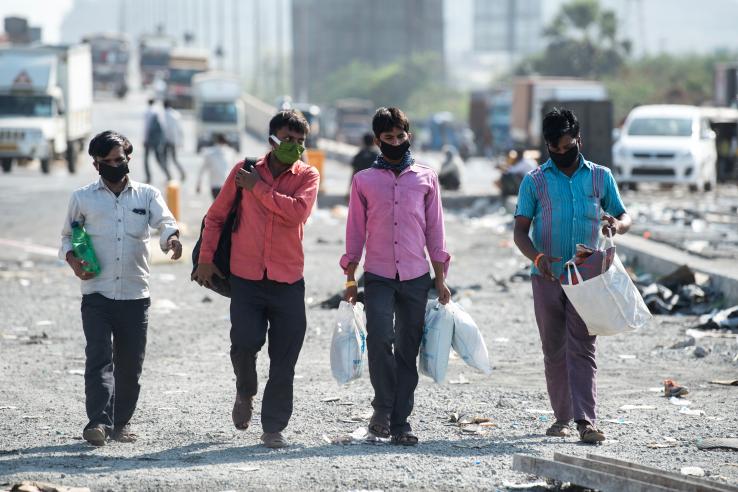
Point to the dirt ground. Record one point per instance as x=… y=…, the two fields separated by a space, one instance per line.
x=187 y=440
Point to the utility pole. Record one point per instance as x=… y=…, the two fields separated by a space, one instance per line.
x=279 y=48
x=236 y=39
x=257 y=47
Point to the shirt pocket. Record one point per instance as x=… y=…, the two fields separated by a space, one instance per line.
x=413 y=202
x=592 y=208
x=136 y=222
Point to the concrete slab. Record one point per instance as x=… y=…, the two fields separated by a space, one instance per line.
x=661 y=259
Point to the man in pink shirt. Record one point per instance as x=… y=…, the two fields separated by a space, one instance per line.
x=267 y=286
x=395 y=211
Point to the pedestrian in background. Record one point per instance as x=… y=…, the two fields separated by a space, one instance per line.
x=174 y=136
x=395 y=211
x=513 y=173
x=565 y=200
x=366 y=155
x=218 y=160
x=116 y=212
x=452 y=169
x=267 y=262
x=154 y=140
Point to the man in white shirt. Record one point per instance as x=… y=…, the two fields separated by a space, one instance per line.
x=218 y=160
x=116 y=212
x=173 y=134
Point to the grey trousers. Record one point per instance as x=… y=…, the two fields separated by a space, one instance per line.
x=116 y=345
x=568 y=353
x=395 y=314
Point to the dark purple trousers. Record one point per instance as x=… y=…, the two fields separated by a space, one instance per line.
x=568 y=353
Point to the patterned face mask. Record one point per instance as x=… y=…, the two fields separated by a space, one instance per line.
x=287 y=152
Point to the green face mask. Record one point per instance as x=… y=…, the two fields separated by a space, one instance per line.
x=287 y=152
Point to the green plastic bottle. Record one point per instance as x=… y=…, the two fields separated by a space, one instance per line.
x=82 y=246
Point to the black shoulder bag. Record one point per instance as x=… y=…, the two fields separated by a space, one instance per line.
x=222 y=256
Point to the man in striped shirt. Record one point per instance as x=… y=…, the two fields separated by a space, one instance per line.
x=565 y=200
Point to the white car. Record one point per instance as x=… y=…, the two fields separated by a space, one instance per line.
x=666 y=144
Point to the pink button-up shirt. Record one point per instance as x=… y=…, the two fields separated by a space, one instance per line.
x=397 y=217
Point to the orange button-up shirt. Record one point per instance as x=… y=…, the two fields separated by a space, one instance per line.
x=270 y=230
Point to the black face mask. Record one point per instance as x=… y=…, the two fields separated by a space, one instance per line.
x=112 y=173
x=567 y=159
x=394 y=152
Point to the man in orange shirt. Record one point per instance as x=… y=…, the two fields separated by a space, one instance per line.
x=267 y=286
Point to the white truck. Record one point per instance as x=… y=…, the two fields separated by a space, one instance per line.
x=45 y=104
x=218 y=107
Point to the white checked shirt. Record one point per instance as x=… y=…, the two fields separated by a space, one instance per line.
x=119 y=228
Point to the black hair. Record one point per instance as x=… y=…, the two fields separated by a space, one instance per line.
x=102 y=143
x=559 y=122
x=167 y=103
x=368 y=139
x=294 y=120
x=150 y=102
x=386 y=119
x=220 y=138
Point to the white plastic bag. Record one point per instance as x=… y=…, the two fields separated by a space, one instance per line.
x=435 y=346
x=348 y=344
x=609 y=304
x=467 y=340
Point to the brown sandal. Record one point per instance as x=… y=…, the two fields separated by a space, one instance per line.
x=590 y=435
x=379 y=426
x=559 y=429
x=405 y=439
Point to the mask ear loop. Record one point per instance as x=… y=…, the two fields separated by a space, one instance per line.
x=275 y=140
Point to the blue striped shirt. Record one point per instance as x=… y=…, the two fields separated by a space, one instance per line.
x=567 y=210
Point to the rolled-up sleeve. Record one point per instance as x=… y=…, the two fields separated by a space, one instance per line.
x=435 y=232
x=611 y=202
x=293 y=210
x=161 y=219
x=73 y=214
x=526 y=198
x=355 y=227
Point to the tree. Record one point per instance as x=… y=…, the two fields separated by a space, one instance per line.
x=582 y=42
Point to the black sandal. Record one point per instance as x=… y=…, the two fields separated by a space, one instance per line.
x=379 y=426
x=405 y=439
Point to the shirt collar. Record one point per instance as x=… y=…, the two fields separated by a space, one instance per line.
x=293 y=168
x=130 y=184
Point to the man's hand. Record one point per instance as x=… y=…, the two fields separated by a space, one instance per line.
x=351 y=293
x=613 y=226
x=444 y=294
x=544 y=266
x=77 y=267
x=174 y=245
x=246 y=179
x=204 y=273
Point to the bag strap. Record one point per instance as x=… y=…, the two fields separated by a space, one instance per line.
x=248 y=164
x=569 y=265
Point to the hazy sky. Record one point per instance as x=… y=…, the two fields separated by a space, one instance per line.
x=666 y=25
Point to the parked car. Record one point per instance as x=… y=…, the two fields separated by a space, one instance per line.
x=666 y=144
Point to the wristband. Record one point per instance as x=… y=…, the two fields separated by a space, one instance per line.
x=350 y=283
x=538 y=257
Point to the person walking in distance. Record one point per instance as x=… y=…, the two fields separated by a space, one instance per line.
x=217 y=162
x=565 y=200
x=267 y=262
x=174 y=136
x=395 y=211
x=154 y=140
x=117 y=213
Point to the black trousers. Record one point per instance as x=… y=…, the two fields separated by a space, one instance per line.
x=160 y=159
x=116 y=345
x=171 y=152
x=394 y=374
x=254 y=305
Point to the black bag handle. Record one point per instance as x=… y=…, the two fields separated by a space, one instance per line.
x=248 y=164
